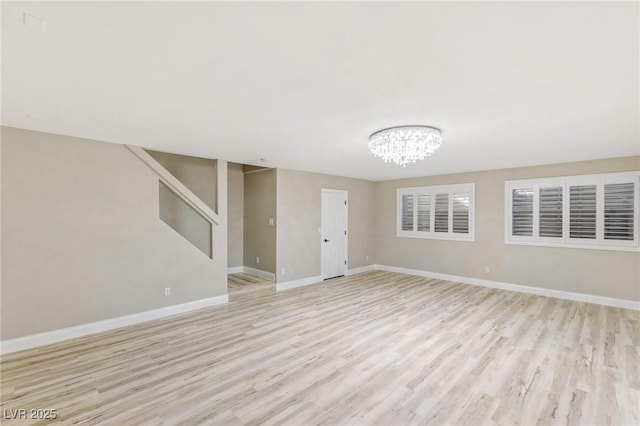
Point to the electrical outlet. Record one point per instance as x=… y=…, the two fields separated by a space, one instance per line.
x=271 y=221
x=257 y=259
x=167 y=291
x=487 y=269
x=284 y=271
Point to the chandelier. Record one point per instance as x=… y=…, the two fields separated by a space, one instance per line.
x=405 y=144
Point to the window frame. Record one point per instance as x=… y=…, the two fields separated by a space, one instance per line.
x=599 y=180
x=450 y=190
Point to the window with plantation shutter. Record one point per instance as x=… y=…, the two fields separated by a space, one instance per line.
x=439 y=212
x=593 y=211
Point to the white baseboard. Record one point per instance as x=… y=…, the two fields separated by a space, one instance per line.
x=46 y=338
x=259 y=273
x=298 y=283
x=235 y=270
x=360 y=270
x=559 y=294
x=313 y=280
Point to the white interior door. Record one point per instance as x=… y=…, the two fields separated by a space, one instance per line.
x=333 y=237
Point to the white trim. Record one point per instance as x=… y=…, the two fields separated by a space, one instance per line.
x=432 y=191
x=554 y=179
x=360 y=270
x=572 y=246
x=49 y=337
x=599 y=242
x=559 y=294
x=318 y=279
x=259 y=273
x=175 y=185
x=264 y=169
x=298 y=283
x=235 y=270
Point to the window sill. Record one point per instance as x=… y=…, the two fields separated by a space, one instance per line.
x=465 y=238
x=574 y=246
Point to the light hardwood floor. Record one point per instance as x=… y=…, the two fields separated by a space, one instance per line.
x=374 y=348
x=240 y=284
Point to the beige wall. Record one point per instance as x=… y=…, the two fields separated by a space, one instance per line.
x=197 y=174
x=82 y=240
x=185 y=220
x=597 y=272
x=259 y=206
x=299 y=222
x=1 y=203
x=200 y=176
x=235 y=214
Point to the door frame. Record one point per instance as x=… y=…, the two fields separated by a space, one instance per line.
x=346 y=237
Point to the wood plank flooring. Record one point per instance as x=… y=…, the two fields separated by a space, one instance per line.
x=371 y=349
x=241 y=284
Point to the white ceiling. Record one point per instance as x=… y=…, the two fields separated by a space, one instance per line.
x=304 y=84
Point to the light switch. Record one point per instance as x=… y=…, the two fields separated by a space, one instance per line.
x=271 y=221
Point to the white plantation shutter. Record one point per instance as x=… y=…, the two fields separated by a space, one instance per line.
x=424 y=212
x=442 y=213
x=460 y=223
x=522 y=212
x=582 y=211
x=550 y=212
x=592 y=211
x=407 y=212
x=619 y=204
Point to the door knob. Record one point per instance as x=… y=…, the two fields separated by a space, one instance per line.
x=326 y=241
